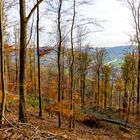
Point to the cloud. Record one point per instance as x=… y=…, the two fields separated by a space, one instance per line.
x=118 y=22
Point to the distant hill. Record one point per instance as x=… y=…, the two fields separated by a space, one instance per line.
x=114 y=57
x=115 y=54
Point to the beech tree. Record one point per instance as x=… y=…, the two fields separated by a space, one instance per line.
x=72 y=61
x=106 y=75
x=98 y=57
x=119 y=88
x=2 y=65
x=16 y=44
x=23 y=44
x=39 y=79
x=134 y=6
x=59 y=46
x=84 y=63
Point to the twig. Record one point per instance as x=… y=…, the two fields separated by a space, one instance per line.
x=9 y=122
x=34 y=133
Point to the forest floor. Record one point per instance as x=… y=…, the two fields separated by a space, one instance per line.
x=45 y=128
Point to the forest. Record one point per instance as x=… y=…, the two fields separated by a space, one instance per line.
x=55 y=84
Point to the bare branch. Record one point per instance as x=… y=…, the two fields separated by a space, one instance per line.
x=32 y=10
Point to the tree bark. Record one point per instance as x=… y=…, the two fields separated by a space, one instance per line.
x=16 y=34
x=98 y=87
x=23 y=38
x=71 y=65
x=59 y=60
x=2 y=65
x=23 y=44
x=125 y=98
x=38 y=60
x=138 y=84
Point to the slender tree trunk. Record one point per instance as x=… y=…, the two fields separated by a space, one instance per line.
x=125 y=98
x=81 y=86
x=2 y=65
x=62 y=75
x=7 y=67
x=98 y=87
x=102 y=95
x=23 y=44
x=23 y=36
x=71 y=65
x=16 y=33
x=129 y=107
x=119 y=99
x=111 y=93
x=83 y=90
x=35 y=73
x=80 y=71
x=59 y=60
x=31 y=68
x=138 y=80
x=39 y=79
x=133 y=97
x=105 y=96
x=133 y=82
x=16 y=61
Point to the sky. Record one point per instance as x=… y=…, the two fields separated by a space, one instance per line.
x=117 y=22
x=114 y=17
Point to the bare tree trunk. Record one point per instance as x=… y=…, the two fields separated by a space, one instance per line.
x=133 y=82
x=59 y=59
x=39 y=79
x=23 y=36
x=138 y=79
x=31 y=68
x=111 y=92
x=83 y=86
x=16 y=34
x=16 y=61
x=72 y=63
x=80 y=65
x=62 y=73
x=125 y=98
x=119 y=99
x=2 y=65
x=133 y=92
x=129 y=107
x=135 y=10
x=102 y=95
x=23 y=44
x=105 y=96
x=35 y=73
x=7 y=67
x=98 y=87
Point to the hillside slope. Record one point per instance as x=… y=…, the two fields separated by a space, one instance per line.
x=114 y=55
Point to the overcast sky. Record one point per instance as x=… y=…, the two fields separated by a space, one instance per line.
x=117 y=25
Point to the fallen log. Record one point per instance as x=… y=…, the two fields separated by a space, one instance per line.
x=118 y=122
x=104 y=117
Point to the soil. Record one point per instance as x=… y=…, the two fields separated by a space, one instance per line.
x=46 y=128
